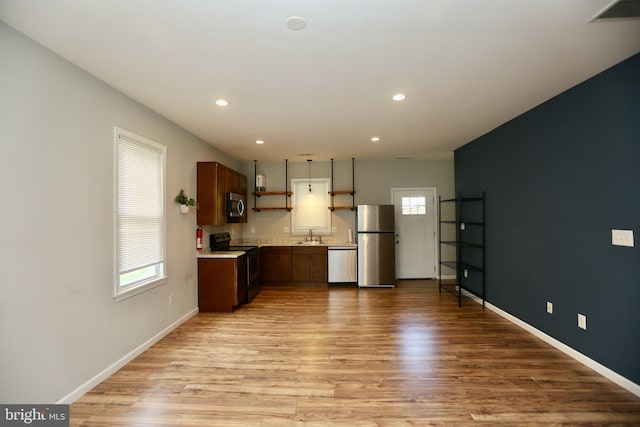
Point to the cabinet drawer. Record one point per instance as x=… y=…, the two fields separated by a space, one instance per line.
x=308 y=250
x=277 y=250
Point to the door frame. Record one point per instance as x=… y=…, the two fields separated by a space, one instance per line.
x=434 y=190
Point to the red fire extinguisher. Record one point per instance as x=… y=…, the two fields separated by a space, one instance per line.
x=199 y=238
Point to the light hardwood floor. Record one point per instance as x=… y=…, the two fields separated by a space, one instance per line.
x=339 y=356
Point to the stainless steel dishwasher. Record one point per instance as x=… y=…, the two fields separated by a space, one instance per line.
x=343 y=264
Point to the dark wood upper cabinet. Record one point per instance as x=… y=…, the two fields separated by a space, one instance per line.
x=214 y=180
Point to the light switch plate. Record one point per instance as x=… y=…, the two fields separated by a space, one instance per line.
x=582 y=321
x=622 y=238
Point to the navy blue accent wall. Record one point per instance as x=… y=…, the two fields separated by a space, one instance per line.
x=558 y=179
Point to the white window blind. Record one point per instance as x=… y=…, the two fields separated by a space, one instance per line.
x=139 y=213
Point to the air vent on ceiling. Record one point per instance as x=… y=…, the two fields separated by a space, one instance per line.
x=621 y=9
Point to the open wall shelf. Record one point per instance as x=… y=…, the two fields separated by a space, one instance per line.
x=333 y=193
x=286 y=193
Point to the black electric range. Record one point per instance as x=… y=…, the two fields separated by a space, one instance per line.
x=220 y=242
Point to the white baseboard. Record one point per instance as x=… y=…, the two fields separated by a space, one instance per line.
x=111 y=369
x=588 y=362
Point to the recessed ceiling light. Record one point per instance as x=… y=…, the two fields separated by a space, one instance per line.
x=295 y=23
x=375 y=139
x=399 y=97
x=222 y=102
x=259 y=142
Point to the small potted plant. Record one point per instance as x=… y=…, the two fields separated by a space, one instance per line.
x=185 y=202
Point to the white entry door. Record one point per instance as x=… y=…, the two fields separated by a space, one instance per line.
x=415 y=216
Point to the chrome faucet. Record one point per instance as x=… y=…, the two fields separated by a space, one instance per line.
x=311 y=238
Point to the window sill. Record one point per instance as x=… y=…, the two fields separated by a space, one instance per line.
x=138 y=289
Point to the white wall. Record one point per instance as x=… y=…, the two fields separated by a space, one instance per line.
x=59 y=325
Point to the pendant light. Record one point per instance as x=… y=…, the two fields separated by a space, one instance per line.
x=309 y=169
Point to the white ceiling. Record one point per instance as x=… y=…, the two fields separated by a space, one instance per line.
x=466 y=66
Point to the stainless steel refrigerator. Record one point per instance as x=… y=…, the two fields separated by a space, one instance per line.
x=376 y=246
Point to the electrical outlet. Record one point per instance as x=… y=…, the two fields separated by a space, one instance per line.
x=466 y=273
x=622 y=238
x=253 y=230
x=462 y=226
x=549 y=307
x=582 y=321
x=170 y=299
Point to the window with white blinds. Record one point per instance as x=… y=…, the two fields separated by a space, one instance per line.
x=139 y=213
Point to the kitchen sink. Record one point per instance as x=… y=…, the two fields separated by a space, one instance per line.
x=309 y=243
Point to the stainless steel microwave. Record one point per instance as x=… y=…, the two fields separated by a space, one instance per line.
x=236 y=206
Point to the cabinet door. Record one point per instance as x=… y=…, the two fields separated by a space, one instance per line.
x=276 y=263
x=318 y=267
x=242 y=185
x=229 y=180
x=221 y=183
x=217 y=284
x=211 y=178
x=300 y=267
x=309 y=264
x=206 y=193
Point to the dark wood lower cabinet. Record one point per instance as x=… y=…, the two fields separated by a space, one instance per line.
x=276 y=263
x=222 y=283
x=309 y=264
x=294 y=264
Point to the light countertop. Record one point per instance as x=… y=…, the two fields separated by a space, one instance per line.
x=287 y=242
x=206 y=253
x=219 y=254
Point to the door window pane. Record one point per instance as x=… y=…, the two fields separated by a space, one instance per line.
x=414 y=206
